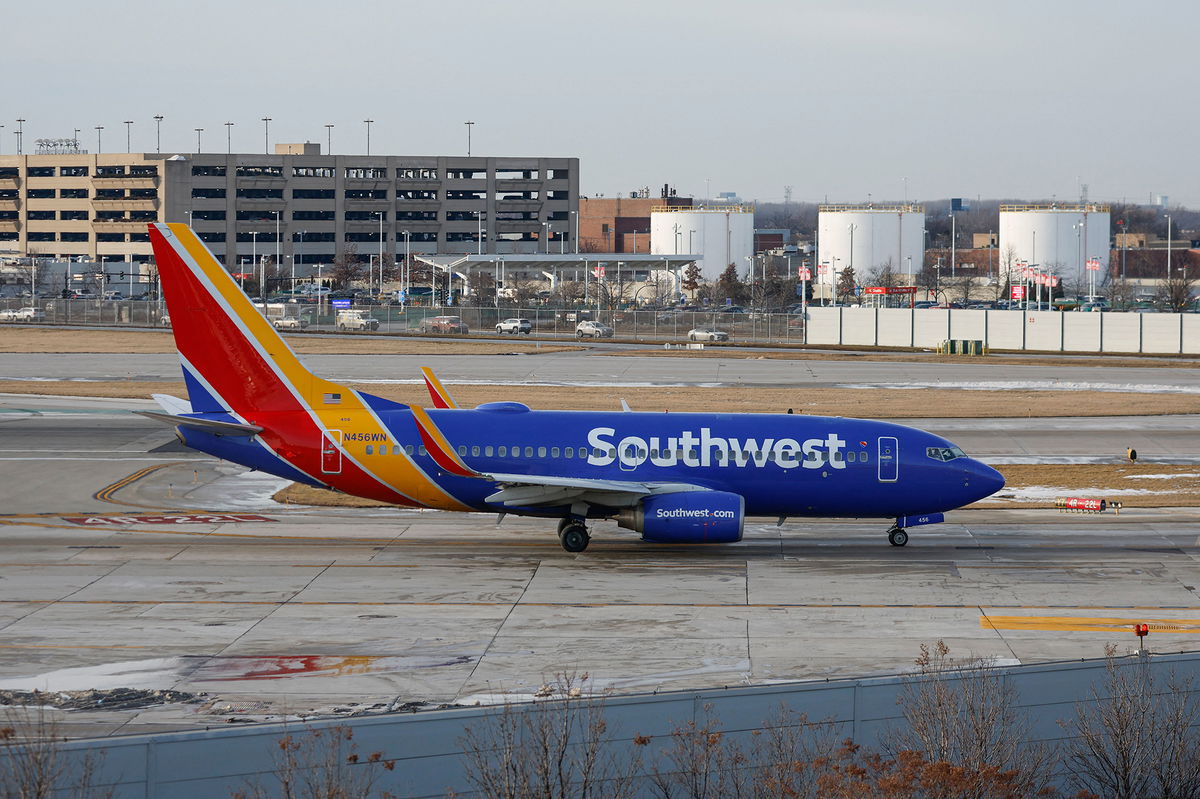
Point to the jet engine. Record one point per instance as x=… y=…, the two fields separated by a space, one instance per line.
x=687 y=517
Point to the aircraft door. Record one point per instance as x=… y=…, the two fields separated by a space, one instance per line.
x=889 y=459
x=331 y=452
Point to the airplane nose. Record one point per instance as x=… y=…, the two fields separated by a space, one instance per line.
x=982 y=480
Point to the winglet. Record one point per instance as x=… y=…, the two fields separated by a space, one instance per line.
x=441 y=397
x=625 y=406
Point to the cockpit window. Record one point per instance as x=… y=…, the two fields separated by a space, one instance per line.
x=945 y=453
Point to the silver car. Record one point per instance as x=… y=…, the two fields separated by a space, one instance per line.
x=590 y=329
x=707 y=334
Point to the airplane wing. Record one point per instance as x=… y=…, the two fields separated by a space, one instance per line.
x=525 y=490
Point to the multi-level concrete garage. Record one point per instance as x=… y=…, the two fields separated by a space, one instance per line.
x=869 y=237
x=719 y=234
x=295 y=202
x=1056 y=238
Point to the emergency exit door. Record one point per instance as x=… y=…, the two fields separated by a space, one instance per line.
x=889 y=459
x=331 y=452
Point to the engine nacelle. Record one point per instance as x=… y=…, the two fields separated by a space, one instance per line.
x=687 y=517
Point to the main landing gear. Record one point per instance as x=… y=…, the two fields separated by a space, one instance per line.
x=573 y=534
x=897 y=537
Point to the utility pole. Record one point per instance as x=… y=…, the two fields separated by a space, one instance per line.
x=368 y=121
x=158 y=118
x=468 y=124
x=266 y=134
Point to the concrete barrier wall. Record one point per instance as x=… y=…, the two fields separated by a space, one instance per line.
x=428 y=747
x=1051 y=331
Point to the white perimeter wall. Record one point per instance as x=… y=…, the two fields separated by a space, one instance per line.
x=1053 y=331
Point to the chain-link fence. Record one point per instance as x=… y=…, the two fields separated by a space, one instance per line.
x=638 y=325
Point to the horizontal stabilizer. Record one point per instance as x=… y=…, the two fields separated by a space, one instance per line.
x=206 y=425
x=173 y=405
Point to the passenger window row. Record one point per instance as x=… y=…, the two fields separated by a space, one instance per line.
x=569 y=452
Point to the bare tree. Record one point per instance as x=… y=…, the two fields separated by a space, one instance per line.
x=847 y=282
x=321 y=764
x=963 y=713
x=883 y=275
x=701 y=763
x=1134 y=736
x=482 y=287
x=1175 y=293
x=347 y=268
x=560 y=748
x=1120 y=294
x=33 y=764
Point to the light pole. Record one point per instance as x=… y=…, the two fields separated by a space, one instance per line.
x=380 y=214
x=1168 y=216
x=254 y=260
x=407 y=273
x=368 y=121
x=158 y=118
x=128 y=128
x=469 y=125
x=198 y=132
x=1079 y=265
x=99 y=149
x=953 y=242
x=690 y=250
x=75 y=141
x=266 y=134
x=329 y=139
x=278 y=214
x=546 y=226
x=576 y=215
x=851 y=227
x=298 y=254
x=228 y=137
x=21 y=134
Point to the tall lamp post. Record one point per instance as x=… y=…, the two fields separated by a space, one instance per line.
x=380 y=214
x=576 y=215
x=158 y=118
x=266 y=134
x=407 y=261
x=469 y=126
x=1168 y=246
x=198 y=132
x=254 y=260
x=21 y=135
x=228 y=137
x=329 y=139
x=298 y=254
x=278 y=214
x=368 y=121
x=128 y=128
x=99 y=148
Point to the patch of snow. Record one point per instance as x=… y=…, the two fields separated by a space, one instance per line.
x=1160 y=476
x=1042 y=493
x=1036 y=385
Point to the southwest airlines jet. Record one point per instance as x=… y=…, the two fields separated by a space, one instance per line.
x=672 y=477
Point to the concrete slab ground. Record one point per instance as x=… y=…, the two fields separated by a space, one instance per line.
x=336 y=611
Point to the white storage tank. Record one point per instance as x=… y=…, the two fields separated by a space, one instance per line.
x=868 y=236
x=719 y=234
x=1056 y=238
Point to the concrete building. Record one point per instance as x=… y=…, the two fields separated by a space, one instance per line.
x=621 y=224
x=69 y=203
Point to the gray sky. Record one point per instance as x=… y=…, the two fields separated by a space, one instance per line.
x=1020 y=99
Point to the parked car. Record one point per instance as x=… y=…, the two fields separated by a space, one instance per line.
x=731 y=309
x=924 y=304
x=574 y=316
x=83 y=295
x=707 y=334
x=165 y=319
x=514 y=326
x=444 y=324
x=590 y=329
x=356 y=320
x=28 y=314
x=291 y=323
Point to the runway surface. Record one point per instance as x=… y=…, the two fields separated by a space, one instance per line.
x=597 y=366
x=106 y=581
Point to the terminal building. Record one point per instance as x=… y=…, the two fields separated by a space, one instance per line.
x=295 y=204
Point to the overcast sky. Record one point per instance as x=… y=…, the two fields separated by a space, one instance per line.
x=1023 y=99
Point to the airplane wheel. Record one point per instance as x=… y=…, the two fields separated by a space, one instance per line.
x=897 y=537
x=574 y=537
x=563 y=522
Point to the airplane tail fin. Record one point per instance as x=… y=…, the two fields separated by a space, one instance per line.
x=437 y=392
x=233 y=358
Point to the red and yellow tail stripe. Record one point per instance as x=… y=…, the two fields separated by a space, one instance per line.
x=253 y=372
x=437 y=392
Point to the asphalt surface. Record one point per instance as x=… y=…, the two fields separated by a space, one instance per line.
x=105 y=582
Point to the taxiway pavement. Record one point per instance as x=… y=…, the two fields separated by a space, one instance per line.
x=112 y=576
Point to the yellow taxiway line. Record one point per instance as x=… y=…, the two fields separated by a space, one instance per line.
x=1086 y=624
